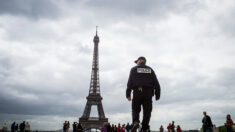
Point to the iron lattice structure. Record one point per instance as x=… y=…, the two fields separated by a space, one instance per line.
x=94 y=98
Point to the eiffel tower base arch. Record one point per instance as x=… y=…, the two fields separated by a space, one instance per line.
x=92 y=123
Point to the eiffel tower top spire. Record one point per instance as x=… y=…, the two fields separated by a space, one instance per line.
x=96 y=30
x=95 y=83
x=96 y=38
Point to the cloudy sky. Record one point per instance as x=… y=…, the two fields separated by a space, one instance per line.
x=46 y=51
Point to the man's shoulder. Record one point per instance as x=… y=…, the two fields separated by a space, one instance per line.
x=141 y=66
x=134 y=68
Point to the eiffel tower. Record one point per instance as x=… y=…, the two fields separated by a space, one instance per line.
x=94 y=98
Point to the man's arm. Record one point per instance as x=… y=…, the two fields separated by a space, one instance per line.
x=210 y=122
x=157 y=88
x=129 y=86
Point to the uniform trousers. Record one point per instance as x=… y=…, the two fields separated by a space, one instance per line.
x=142 y=97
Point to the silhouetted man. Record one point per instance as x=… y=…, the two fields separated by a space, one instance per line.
x=13 y=127
x=128 y=127
x=22 y=126
x=80 y=129
x=206 y=123
x=144 y=83
x=16 y=127
x=74 y=127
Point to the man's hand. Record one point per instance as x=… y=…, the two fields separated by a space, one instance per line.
x=129 y=98
x=156 y=99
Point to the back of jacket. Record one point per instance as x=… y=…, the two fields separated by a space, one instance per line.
x=143 y=75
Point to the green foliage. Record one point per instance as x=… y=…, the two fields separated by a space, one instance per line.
x=222 y=129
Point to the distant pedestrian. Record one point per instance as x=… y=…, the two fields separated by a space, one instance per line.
x=16 y=127
x=112 y=128
x=22 y=126
x=115 y=128
x=206 y=123
x=123 y=128
x=74 y=126
x=13 y=127
x=64 y=126
x=169 y=127
x=80 y=129
x=229 y=123
x=128 y=127
x=173 y=126
x=109 y=128
x=119 y=128
x=27 y=127
x=4 y=128
x=104 y=128
x=178 y=129
x=67 y=126
x=161 y=129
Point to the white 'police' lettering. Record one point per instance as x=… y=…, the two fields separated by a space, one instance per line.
x=143 y=70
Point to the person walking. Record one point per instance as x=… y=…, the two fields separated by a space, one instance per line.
x=161 y=129
x=119 y=127
x=178 y=128
x=169 y=127
x=173 y=126
x=123 y=128
x=4 y=128
x=206 y=123
x=128 y=127
x=74 y=126
x=67 y=126
x=22 y=126
x=16 y=127
x=229 y=123
x=27 y=127
x=104 y=128
x=109 y=128
x=13 y=127
x=64 y=126
x=80 y=129
x=115 y=128
x=144 y=83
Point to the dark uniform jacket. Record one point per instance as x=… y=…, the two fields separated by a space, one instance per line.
x=143 y=76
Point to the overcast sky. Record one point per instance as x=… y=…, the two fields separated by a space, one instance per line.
x=46 y=52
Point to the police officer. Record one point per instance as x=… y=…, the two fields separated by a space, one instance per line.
x=144 y=83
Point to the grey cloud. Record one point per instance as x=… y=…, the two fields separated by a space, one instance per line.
x=5 y=65
x=19 y=97
x=141 y=8
x=224 y=21
x=225 y=79
x=30 y=8
x=46 y=104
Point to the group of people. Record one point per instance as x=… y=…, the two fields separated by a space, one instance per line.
x=66 y=126
x=23 y=127
x=207 y=125
x=171 y=128
x=107 y=127
x=116 y=128
x=77 y=127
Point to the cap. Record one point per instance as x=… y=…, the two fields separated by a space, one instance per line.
x=140 y=58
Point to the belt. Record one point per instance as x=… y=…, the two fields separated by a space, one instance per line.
x=140 y=89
